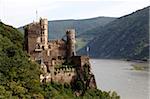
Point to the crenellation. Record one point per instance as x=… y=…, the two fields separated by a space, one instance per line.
x=57 y=58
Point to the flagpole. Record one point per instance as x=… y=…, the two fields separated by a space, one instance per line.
x=36 y=15
x=0 y=11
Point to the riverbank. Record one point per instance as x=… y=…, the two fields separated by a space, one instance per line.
x=130 y=60
x=144 y=66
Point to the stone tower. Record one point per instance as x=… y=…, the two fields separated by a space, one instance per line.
x=36 y=37
x=44 y=33
x=32 y=37
x=70 y=33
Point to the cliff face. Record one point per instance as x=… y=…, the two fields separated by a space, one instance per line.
x=84 y=73
x=125 y=37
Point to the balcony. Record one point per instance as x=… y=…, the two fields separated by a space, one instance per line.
x=38 y=50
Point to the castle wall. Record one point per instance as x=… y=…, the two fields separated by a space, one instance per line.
x=80 y=61
x=64 y=75
x=61 y=75
x=32 y=44
x=57 y=48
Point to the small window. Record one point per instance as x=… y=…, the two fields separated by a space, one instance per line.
x=43 y=47
x=37 y=46
x=59 y=57
x=49 y=46
x=41 y=39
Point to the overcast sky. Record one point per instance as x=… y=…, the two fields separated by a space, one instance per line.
x=21 y=12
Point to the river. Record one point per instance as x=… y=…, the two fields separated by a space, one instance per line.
x=115 y=75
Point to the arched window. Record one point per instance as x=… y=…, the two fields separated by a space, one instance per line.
x=37 y=46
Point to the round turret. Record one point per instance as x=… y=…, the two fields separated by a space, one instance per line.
x=70 y=33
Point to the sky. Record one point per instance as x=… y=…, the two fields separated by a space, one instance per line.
x=21 y=12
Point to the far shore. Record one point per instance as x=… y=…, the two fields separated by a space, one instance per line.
x=132 y=60
x=142 y=65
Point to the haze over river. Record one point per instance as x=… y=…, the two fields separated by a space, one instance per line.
x=116 y=76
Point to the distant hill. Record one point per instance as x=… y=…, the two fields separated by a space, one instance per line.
x=57 y=28
x=125 y=37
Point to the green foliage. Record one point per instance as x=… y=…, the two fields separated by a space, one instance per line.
x=4 y=94
x=86 y=71
x=11 y=33
x=98 y=94
x=59 y=91
x=79 y=85
x=19 y=77
x=141 y=66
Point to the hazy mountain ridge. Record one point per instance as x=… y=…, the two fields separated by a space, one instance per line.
x=125 y=37
x=57 y=28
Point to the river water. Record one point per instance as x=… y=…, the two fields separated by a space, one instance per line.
x=115 y=75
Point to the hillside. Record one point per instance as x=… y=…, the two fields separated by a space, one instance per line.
x=16 y=78
x=125 y=37
x=20 y=77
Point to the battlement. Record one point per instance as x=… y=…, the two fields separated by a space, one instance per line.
x=54 y=53
x=65 y=69
x=63 y=75
x=33 y=29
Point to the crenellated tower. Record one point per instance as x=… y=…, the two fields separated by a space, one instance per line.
x=70 y=33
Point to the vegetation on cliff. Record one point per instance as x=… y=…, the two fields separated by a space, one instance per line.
x=19 y=77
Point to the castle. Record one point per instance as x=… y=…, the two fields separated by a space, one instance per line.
x=57 y=58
